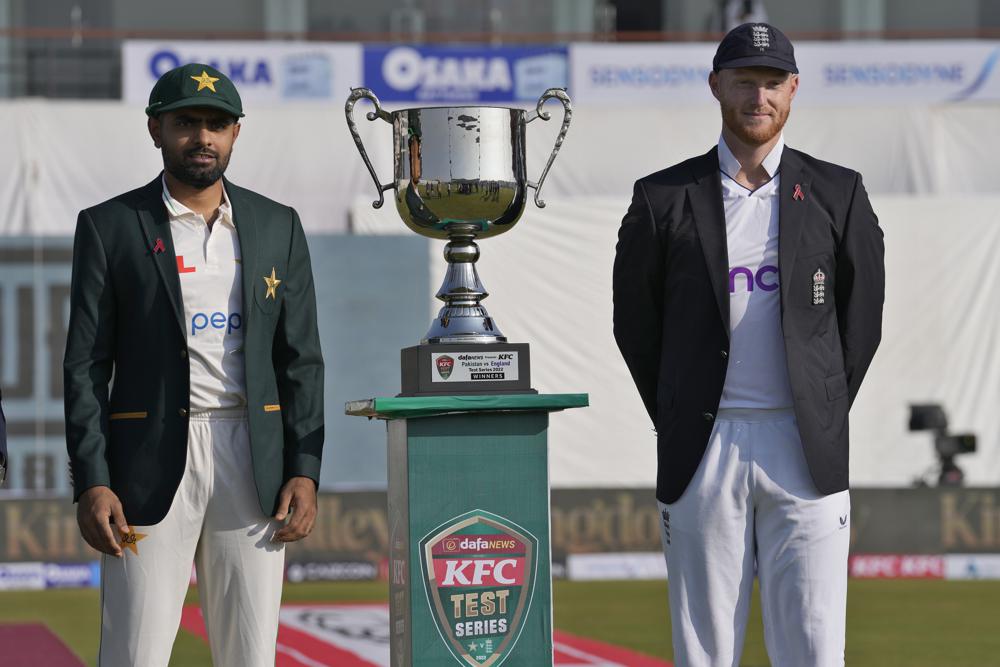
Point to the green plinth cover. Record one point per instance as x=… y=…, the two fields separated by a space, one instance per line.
x=470 y=579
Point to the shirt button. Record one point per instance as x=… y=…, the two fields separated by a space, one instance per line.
x=707 y=416
x=183 y=412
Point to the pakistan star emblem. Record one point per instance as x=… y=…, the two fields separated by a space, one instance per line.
x=130 y=539
x=205 y=81
x=272 y=285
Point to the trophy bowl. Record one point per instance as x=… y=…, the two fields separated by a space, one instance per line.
x=460 y=175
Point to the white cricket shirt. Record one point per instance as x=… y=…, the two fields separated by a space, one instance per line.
x=210 y=269
x=757 y=376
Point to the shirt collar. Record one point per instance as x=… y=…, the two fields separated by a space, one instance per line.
x=177 y=210
x=730 y=165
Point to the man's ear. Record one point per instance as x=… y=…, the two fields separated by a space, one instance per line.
x=713 y=83
x=153 y=125
x=794 y=83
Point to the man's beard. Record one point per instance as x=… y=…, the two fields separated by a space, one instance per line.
x=193 y=175
x=754 y=135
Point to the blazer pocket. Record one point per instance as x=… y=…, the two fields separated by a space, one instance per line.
x=815 y=250
x=115 y=416
x=836 y=386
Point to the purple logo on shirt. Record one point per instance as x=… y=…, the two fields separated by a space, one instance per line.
x=761 y=279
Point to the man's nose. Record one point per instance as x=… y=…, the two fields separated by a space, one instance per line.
x=204 y=135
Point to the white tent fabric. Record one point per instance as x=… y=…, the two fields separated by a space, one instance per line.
x=63 y=156
x=550 y=284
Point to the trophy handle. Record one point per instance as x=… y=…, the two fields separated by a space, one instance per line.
x=357 y=94
x=559 y=94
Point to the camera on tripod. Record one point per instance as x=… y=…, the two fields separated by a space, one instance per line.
x=931 y=417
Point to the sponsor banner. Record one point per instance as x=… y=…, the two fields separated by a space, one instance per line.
x=464 y=75
x=649 y=74
x=831 y=73
x=352 y=527
x=896 y=566
x=73 y=575
x=972 y=566
x=342 y=571
x=479 y=593
x=266 y=73
x=22 y=576
x=473 y=366
x=590 y=567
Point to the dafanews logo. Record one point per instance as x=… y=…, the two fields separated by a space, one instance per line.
x=445 y=365
x=479 y=573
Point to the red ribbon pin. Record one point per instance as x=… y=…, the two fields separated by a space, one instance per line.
x=798 y=193
x=159 y=247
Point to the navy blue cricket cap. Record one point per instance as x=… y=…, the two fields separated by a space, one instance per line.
x=755 y=45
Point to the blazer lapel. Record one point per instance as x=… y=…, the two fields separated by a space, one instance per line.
x=160 y=245
x=710 y=220
x=246 y=230
x=793 y=200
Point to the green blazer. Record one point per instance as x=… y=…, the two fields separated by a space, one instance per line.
x=126 y=366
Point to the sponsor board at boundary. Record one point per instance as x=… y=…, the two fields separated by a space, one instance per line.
x=334 y=571
x=38 y=576
x=595 y=567
x=896 y=566
x=466 y=74
x=264 y=72
x=830 y=73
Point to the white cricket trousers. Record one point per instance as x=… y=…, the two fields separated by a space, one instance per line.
x=214 y=521
x=752 y=500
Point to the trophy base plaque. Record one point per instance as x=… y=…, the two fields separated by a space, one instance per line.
x=466 y=368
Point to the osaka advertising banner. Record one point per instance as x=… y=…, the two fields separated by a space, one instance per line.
x=428 y=74
x=831 y=73
x=265 y=73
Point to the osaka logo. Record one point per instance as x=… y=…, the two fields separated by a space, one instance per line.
x=479 y=573
x=445 y=365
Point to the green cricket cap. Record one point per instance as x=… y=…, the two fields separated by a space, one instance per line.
x=194 y=85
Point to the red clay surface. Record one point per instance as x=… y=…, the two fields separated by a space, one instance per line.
x=356 y=635
x=34 y=644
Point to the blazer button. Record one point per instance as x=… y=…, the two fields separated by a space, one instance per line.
x=183 y=412
x=184 y=354
x=724 y=354
x=707 y=416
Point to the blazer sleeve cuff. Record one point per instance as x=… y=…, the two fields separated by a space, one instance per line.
x=86 y=477
x=303 y=465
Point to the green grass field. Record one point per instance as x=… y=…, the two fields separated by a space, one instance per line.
x=890 y=623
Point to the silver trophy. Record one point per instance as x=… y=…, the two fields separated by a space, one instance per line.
x=460 y=175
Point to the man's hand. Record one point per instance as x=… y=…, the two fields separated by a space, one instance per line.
x=298 y=498
x=100 y=514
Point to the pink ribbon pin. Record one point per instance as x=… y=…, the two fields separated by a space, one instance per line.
x=159 y=247
x=798 y=193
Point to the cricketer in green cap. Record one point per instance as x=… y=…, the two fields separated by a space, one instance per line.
x=197 y=297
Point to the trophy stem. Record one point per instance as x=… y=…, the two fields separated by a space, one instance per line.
x=463 y=319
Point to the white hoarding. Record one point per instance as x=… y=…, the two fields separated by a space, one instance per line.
x=831 y=73
x=265 y=73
